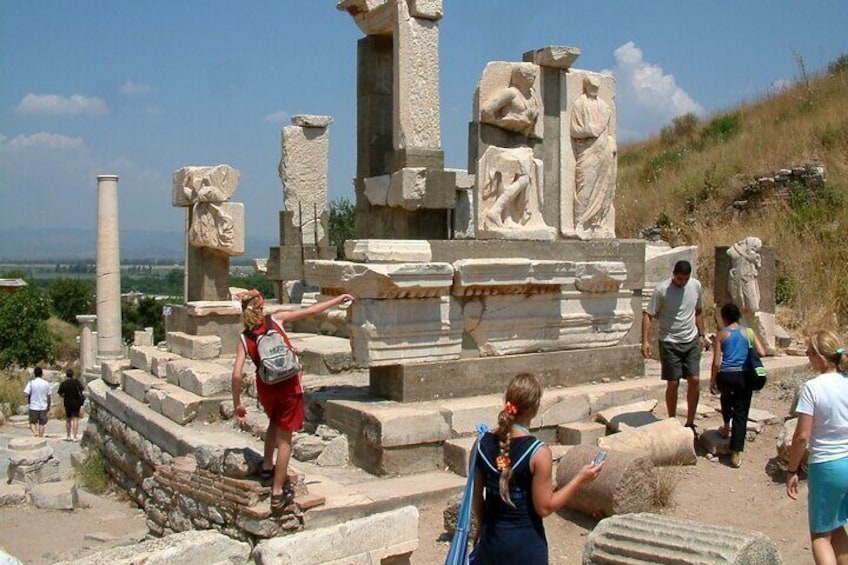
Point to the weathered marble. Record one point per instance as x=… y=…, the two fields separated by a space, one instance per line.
x=109 y=341
x=215 y=184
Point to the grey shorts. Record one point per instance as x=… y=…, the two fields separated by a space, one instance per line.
x=38 y=417
x=680 y=360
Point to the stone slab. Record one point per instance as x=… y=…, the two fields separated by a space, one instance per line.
x=61 y=495
x=490 y=375
x=137 y=382
x=323 y=354
x=630 y=415
x=110 y=370
x=194 y=346
x=311 y=121
x=457 y=452
x=26 y=443
x=140 y=356
x=374 y=539
x=194 y=546
x=580 y=433
x=554 y=56
x=202 y=378
x=388 y=250
x=12 y=495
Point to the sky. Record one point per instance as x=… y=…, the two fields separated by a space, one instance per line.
x=140 y=89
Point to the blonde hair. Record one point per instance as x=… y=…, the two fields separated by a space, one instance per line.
x=252 y=312
x=828 y=345
x=522 y=398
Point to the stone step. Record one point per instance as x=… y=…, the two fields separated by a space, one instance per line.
x=151 y=359
x=136 y=383
x=203 y=378
x=182 y=406
x=389 y=438
x=323 y=354
x=194 y=346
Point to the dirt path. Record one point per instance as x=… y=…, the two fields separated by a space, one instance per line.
x=710 y=492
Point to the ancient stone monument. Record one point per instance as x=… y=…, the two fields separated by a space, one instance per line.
x=109 y=345
x=745 y=275
x=214 y=228
x=305 y=149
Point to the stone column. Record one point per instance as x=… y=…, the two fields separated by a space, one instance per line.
x=88 y=354
x=108 y=270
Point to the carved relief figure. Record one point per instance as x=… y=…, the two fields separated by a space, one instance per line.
x=211 y=227
x=206 y=184
x=743 y=284
x=512 y=178
x=514 y=108
x=595 y=153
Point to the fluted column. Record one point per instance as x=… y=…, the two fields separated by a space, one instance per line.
x=108 y=270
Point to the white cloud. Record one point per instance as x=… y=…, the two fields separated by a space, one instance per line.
x=43 y=139
x=276 y=117
x=57 y=105
x=131 y=88
x=648 y=97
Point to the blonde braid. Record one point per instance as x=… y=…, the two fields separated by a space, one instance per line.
x=504 y=462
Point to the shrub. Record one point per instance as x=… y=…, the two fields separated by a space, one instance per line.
x=721 y=129
x=12 y=385
x=90 y=471
x=341 y=224
x=681 y=128
x=840 y=65
x=70 y=297
x=24 y=338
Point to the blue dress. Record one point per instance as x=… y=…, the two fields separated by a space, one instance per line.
x=510 y=536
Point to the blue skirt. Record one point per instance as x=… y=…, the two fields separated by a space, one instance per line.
x=827 y=497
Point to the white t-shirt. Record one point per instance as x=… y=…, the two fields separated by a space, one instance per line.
x=825 y=398
x=675 y=309
x=39 y=392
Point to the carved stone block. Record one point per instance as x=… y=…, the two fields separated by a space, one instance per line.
x=218 y=226
x=215 y=183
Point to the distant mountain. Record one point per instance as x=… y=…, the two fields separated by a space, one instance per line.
x=65 y=244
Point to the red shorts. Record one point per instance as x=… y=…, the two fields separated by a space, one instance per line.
x=283 y=403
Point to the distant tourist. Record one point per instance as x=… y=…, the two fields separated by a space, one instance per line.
x=822 y=431
x=283 y=401
x=731 y=350
x=514 y=468
x=677 y=303
x=71 y=391
x=37 y=392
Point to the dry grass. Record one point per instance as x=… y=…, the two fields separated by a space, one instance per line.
x=689 y=184
x=65 y=340
x=667 y=480
x=12 y=385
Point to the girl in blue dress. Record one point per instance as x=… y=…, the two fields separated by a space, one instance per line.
x=513 y=489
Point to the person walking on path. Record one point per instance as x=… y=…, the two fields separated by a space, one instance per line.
x=71 y=391
x=822 y=432
x=677 y=303
x=282 y=401
x=731 y=350
x=514 y=470
x=37 y=392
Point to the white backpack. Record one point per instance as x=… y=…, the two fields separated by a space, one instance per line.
x=278 y=361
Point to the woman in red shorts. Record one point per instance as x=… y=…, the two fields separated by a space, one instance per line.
x=283 y=401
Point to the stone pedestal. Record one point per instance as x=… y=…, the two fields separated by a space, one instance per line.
x=31 y=461
x=109 y=344
x=88 y=350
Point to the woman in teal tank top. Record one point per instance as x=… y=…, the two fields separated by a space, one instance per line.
x=731 y=350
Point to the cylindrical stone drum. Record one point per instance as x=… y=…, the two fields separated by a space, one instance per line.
x=666 y=442
x=627 y=482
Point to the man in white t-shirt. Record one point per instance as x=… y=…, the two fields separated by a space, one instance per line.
x=38 y=394
x=677 y=305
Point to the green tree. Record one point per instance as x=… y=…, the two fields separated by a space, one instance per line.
x=70 y=297
x=258 y=281
x=146 y=313
x=24 y=337
x=341 y=222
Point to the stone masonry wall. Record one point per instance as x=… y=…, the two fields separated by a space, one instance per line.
x=206 y=490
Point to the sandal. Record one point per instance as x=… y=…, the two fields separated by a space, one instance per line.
x=279 y=502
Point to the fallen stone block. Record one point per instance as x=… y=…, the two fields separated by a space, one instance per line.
x=626 y=484
x=581 y=433
x=61 y=495
x=784 y=439
x=653 y=538
x=12 y=495
x=194 y=546
x=335 y=454
x=194 y=346
x=378 y=538
x=666 y=442
x=307 y=447
x=36 y=474
x=761 y=416
x=633 y=415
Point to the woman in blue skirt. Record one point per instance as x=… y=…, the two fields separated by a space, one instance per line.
x=822 y=431
x=513 y=490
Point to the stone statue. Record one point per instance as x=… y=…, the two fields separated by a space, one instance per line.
x=595 y=154
x=204 y=184
x=745 y=263
x=514 y=108
x=511 y=190
x=211 y=226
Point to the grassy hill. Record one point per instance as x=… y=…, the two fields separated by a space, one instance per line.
x=685 y=182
